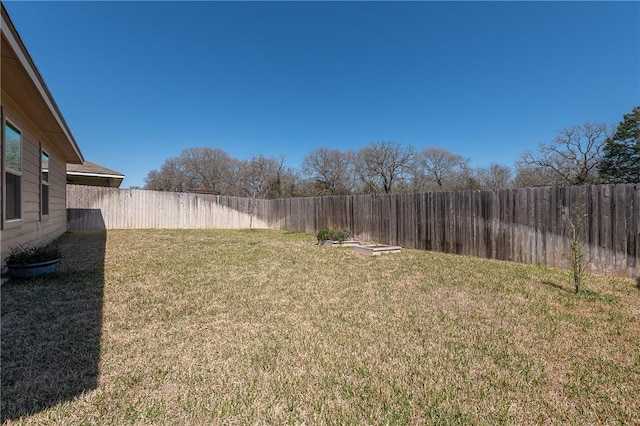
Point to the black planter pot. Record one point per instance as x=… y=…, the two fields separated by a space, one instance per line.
x=30 y=270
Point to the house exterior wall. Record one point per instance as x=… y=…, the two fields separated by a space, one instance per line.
x=29 y=107
x=32 y=227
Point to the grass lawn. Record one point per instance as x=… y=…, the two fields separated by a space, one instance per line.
x=240 y=327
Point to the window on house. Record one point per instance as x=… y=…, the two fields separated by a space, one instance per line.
x=44 y=183
x=13 y=172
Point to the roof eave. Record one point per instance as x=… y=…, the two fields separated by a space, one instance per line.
x=95 y=175
x=13 y=38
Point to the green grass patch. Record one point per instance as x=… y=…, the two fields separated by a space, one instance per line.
x=246 y=327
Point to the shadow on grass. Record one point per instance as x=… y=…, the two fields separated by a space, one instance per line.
x=51 y=329
x=558 y=286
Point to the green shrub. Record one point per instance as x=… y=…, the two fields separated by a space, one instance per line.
x=333 y=234
x=26 y=254
x=323 y=234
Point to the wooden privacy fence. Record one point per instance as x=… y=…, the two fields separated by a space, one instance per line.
x=91 y=207
x=531 y=225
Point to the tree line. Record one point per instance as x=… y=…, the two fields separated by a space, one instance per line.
x=588 y=153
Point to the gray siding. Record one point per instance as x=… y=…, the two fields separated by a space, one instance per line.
x=32 y=228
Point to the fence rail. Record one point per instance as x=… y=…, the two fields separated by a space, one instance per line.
x=531 y=225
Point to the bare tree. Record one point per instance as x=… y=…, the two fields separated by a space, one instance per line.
x=382 y=165
x=574 y=154
x=205 y=169
x=330 y=172
x=465 y=179
x=290 y=184
x=530 y=176
x=257 y=178
x=170 y=177
x=435 y=167
x=495 y=176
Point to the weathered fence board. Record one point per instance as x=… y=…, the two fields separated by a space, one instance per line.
x=138 y=209
x=531 y=225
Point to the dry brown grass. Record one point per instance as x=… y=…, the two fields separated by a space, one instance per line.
x=239 y=327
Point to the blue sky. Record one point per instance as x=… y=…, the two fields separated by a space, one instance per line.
x=139 y=81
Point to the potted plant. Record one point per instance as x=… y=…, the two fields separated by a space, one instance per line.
x=26 y=261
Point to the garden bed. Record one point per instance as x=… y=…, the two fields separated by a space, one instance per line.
x=376 y=249
x=331 y=243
